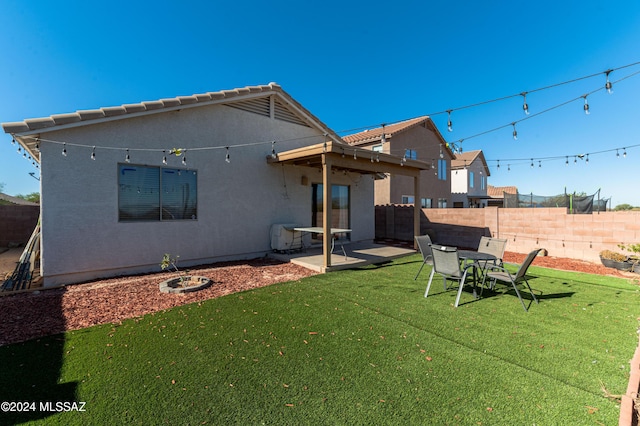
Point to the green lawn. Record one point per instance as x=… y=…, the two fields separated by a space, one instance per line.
x=352 y=347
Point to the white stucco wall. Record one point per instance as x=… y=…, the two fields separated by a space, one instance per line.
x=82 y=238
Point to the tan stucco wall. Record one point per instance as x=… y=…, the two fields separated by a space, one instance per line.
x=237 y=202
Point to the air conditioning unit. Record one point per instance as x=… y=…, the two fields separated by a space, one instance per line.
x=284 y=238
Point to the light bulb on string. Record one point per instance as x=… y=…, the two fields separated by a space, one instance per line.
x=566 y=162
x=498 y=166
x=539 y=164
x=515 y=132
x=383 y=139
x=608 y=85
x=525 y=106
x=38 y=145
x=164 y=157
x=449 y=123
x=274 y=155
x=441 y=153
x=372 y=158
x=93 y=153
x=227 y=158
x=19 y=149
x=127 y=158
x=587 y=160
x=624 y=152
x=64 y=149
x=586 y=105
x=355 y=154
x=508 y=167
x=532 y=163
x=575 y=159
x=13 y=140
x=184 y=159
x=617 y=153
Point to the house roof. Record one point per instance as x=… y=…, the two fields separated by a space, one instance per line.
x=250 y=98
x=16 y=200
x=498 y=191
x=464 y=159
x=371 y=136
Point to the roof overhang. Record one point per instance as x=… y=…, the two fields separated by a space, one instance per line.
x=349 y=159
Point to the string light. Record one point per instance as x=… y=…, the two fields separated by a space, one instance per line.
x=383 y=139
x=515 y=132
x=449 y=123
x=498 y=166
x=539 y=164
x=274 y=155
x=227 y=158
x=617 y=153
x=355 y=156
x=566 y=162
x=508 y=167
x=525 y=106
x=127 y=158
x=184 y=158
x=532 y=163
x=575 y=159
x=586 y=104
x=608 y=84
x=64 y=149
x=164 y=157
x=93 y=153
x=13 y=140
x=624 y=152
x=587 y=160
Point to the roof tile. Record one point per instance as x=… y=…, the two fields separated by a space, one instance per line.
x=90 y=114
x=112 y=111
x=73 y=117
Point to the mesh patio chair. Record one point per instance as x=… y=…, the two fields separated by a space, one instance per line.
x=493 y=246
x=499 y=273
x=447 y=263
x=424 y=244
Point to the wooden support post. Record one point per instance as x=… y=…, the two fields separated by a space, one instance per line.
x=326 y=210
x=417 y=209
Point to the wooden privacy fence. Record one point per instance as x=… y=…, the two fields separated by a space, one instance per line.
x=573 y=236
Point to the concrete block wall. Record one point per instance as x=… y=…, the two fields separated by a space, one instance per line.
x=563 y=235
x=17 y=224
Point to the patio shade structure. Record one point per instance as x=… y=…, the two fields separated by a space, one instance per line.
x=333 y=156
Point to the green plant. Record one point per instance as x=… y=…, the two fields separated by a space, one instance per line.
x=633 y=248
x=169 y=262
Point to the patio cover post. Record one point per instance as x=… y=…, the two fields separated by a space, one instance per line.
x=417 y=206
x=326 y=210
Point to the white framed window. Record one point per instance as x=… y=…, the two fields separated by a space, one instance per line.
x=376 y=148
x=156 y=193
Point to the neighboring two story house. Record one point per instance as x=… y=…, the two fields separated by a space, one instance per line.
x=469 y=173
x=415 y=139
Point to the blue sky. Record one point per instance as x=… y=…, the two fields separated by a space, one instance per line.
x=354 y=65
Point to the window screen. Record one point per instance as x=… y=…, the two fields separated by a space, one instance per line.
x=140 y=197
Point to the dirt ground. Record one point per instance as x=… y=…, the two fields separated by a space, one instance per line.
x=35 y=314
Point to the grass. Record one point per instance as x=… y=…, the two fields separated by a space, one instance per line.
x=352 y=347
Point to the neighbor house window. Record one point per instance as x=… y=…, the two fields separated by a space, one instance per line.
x=483 y=182
x=408 y=199
x=471 y=178
x=427 y=203
x=376 y=148
x=411 y=154
x=442 y=203
x=156 y=193
x=442 y=169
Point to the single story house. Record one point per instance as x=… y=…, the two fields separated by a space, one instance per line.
x=203 y=177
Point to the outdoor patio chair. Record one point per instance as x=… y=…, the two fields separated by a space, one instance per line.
x=424 y=244
x=494 y=246
x=447 y=263
x=499 y=273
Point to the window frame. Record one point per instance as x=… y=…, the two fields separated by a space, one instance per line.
x=155 y=185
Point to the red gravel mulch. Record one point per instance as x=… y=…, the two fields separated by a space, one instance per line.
x=35 y=314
